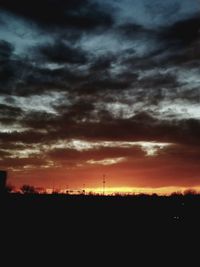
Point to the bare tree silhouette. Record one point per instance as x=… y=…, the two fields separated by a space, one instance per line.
x=190 y=192
x=28 y=189
x=9 y=188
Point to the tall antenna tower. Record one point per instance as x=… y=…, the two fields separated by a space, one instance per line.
x=104 y=184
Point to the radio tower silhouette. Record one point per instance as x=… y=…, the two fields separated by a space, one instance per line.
x=104 y=184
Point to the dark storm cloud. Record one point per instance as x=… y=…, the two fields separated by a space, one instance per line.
x=98 y=84
x=21 y=77
x=77 y=14
x=9 y=114
x=62 y=53
x=131 y=29
x=192 y=96
x=182 y=39
x=184 y=57
x=159 y=80
x=75 y=124
x=12 y=146
x=183 y=33
x=175 y=44
x=135 y=31
x=26 y=137
x=7 y=74
x=24 y=78
x=6 y=50
x=102 y=63
x=7 y=71
x=180 y=42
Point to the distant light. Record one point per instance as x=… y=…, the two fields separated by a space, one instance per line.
x=176 y=217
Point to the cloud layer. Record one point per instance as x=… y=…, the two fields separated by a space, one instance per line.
x=90 y=72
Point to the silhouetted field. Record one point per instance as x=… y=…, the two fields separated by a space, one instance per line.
x=134 y=209
x=97 y=225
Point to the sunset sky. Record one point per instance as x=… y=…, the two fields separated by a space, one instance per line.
x=95 y=87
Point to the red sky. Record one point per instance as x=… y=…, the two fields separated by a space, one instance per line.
x=130 y=168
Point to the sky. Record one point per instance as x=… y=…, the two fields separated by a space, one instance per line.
x=92 y=88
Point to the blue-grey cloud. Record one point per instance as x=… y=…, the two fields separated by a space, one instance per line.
x=111 y=68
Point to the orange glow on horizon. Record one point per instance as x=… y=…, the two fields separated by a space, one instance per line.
x=161 y=191
x=140 y=190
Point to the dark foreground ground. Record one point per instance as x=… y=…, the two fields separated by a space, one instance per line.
x=82 y=209
x=92 y=226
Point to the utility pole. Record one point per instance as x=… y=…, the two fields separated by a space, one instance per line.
x=53 y=183
x=104 y=184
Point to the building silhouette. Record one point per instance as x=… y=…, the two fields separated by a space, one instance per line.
x=3 y=179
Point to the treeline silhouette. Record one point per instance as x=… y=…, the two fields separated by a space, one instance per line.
x=30 y=189
x=178 y=206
